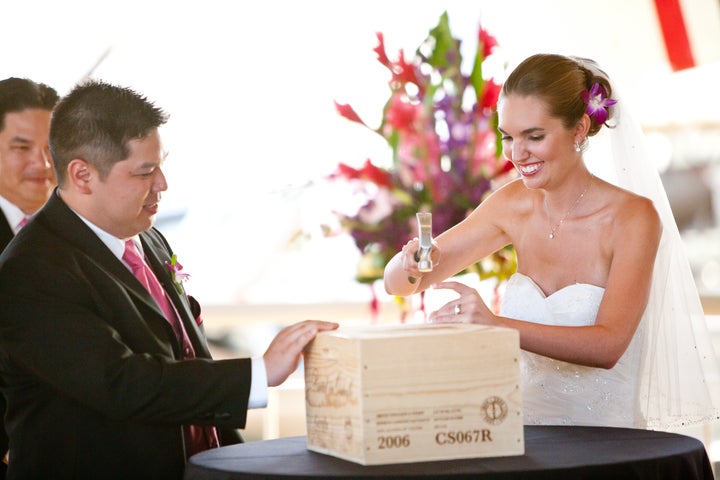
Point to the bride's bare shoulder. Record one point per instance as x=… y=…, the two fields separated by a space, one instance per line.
x=514 y=189
x=623 y=200
x=508 y=200
x=631 y=211
x=511 y=186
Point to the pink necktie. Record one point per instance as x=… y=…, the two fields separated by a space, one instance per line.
x=198 y=438
x=147 y=277
x=22 y=223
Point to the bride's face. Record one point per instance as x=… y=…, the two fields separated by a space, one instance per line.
x=538 y=144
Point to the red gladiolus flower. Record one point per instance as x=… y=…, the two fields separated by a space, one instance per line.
x=418 y=156
x=368 y=172
x=488 y=42
x=490 y=95
x=376 y=175
x=484 y=160
x=401 y=114
x=380 y=51
x=348 y=112
x=403 y=73
x=345 y=171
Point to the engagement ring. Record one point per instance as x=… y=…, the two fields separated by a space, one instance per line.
x=457 y=309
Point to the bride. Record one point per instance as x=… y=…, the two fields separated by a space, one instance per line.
x=610 y=323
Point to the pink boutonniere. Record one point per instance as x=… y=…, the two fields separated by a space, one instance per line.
x=177 y=274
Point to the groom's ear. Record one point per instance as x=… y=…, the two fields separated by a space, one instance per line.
x=80 y=175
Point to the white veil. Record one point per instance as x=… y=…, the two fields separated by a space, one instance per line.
x=679 y=374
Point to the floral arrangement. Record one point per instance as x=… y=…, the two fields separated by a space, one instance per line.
x=441 y=125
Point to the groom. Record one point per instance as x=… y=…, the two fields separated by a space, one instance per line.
x=100 y=380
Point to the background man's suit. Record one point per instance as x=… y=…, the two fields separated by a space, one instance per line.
x=112 y=405
x=6 y=234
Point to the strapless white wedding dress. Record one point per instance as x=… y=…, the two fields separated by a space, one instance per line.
x=561 y=393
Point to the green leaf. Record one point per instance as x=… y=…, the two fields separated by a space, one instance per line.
x=441 y=41
x=476 y=79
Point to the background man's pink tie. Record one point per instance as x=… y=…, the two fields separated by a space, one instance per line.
x=198 y=438
x=22 y=223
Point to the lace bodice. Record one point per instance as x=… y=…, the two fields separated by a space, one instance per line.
x=561 y=393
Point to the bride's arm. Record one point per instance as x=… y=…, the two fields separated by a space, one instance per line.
x=476 y=237
x=634 y=241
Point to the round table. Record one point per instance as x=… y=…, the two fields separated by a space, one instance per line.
x=551 y=452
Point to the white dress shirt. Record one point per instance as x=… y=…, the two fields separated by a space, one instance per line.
x=13 y=214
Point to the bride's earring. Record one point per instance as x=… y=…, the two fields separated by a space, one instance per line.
x=579 y=146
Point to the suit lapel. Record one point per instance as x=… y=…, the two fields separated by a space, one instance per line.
x=157 y=256
x=67 y=225
x=6 y=233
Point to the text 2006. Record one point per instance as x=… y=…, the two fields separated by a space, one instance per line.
x=393 y=441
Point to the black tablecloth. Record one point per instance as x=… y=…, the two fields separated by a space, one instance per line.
x=551 y=452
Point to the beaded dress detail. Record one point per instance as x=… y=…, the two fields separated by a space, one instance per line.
x=560 y=393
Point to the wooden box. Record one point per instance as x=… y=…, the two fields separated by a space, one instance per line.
x=408 y=393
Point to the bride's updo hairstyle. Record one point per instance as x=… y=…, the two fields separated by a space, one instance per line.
x=559 y=81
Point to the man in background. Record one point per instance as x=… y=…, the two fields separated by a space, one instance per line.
x=26 y=171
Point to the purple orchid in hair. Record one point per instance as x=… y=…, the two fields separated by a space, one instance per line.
x=597 y=103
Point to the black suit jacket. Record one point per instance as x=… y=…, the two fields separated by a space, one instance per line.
x=89 y=364
x=6 y=234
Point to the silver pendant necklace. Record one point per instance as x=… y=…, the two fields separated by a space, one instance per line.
x=553 y=230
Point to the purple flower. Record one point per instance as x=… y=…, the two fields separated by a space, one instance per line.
x=597 y=103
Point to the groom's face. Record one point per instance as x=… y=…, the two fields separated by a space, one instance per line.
x=127 y=200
